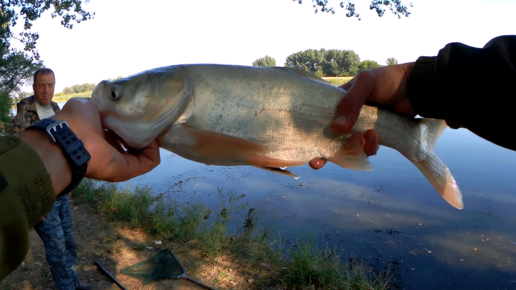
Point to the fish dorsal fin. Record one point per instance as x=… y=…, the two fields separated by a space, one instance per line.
x=303 y=73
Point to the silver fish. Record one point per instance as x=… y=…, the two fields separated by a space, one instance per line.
x=271 y=118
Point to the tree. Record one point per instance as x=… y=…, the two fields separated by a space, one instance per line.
x=340 y=63
x=18 y=66
x=6 y=104
x=309 y=60
x=396 y=7
x=391 y=61
x=368 y=64
x=266 y=61
x=78 y=89
x=16 y=69
x=69 y=10
x=115 y=79
x=325 y=62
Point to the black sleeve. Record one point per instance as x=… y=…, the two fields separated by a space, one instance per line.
x=474 y=88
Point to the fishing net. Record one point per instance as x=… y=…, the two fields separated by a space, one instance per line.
x=163 y=265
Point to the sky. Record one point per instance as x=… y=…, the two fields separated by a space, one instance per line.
x=129 y=36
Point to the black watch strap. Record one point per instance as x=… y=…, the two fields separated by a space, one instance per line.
x=72 y=147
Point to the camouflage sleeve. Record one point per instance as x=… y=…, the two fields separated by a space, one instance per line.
x=16 y=128
x=26 y=194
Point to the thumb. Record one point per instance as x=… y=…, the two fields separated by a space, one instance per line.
x=349 y=107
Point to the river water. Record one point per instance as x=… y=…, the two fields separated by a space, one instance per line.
x=385 y=214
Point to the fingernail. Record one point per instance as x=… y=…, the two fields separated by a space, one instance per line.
x=340 y=121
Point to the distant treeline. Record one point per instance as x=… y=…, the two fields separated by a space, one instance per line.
x=78 y=89
x=326 y=63
x=75 y=89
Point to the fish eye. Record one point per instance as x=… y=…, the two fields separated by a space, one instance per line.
x=115 y=95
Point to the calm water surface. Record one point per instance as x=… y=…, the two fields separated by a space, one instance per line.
x=383 y=214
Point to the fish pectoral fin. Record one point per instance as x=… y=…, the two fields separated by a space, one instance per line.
x=352 y=156
x=280 y=171
x=353 y=162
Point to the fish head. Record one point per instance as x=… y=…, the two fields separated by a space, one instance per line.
x=140 y=107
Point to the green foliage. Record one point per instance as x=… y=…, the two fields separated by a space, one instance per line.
x=266 y=61
x=316 y=269
x=75 y=89
x=395 y=6
x=18 y=66
x=311 y=267
x=325 y=62
x=78 y=89
x=69 y=10
x=391 y=61
x=5 y=112
x=368 y=64
x=337 y=81
x=16 y=69
x=63 y=98
x=115 y=79
x=192 y=223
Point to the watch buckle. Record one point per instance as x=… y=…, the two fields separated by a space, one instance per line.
x=53 y=126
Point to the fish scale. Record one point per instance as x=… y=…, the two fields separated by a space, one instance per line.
x=270 y=118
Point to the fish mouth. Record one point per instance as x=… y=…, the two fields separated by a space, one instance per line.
x=118 y=143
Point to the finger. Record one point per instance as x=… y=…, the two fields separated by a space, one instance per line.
x=126 y=166
x=349 y=107
x=354 y=145
x=317 y=163
x=371 y=142
x=127 y=149
x=149 y=157
x=114 y=141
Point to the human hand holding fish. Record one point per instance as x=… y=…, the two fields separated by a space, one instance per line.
x=109 y=161
x=386 y=86
x=267 y=117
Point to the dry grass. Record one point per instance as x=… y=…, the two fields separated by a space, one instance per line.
x=63 y=98
x=338 y=80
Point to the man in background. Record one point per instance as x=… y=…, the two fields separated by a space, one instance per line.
x=55 y=229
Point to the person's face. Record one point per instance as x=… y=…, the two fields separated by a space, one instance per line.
x=44 y=88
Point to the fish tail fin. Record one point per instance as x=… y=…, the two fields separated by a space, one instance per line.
x=432 y=167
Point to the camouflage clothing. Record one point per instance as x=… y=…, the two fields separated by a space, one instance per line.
x=56 y=230
x=27 y=115
x=60 y=246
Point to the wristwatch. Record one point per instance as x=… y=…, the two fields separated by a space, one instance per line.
x=72 y=147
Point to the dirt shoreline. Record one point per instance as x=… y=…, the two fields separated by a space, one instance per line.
x=115 y=247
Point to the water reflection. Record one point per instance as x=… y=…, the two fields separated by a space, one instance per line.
x=388 y=212
x=385 y=213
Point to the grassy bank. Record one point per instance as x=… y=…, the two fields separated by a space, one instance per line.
x=63 y=98
x=193 y=227
x=338 y=80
